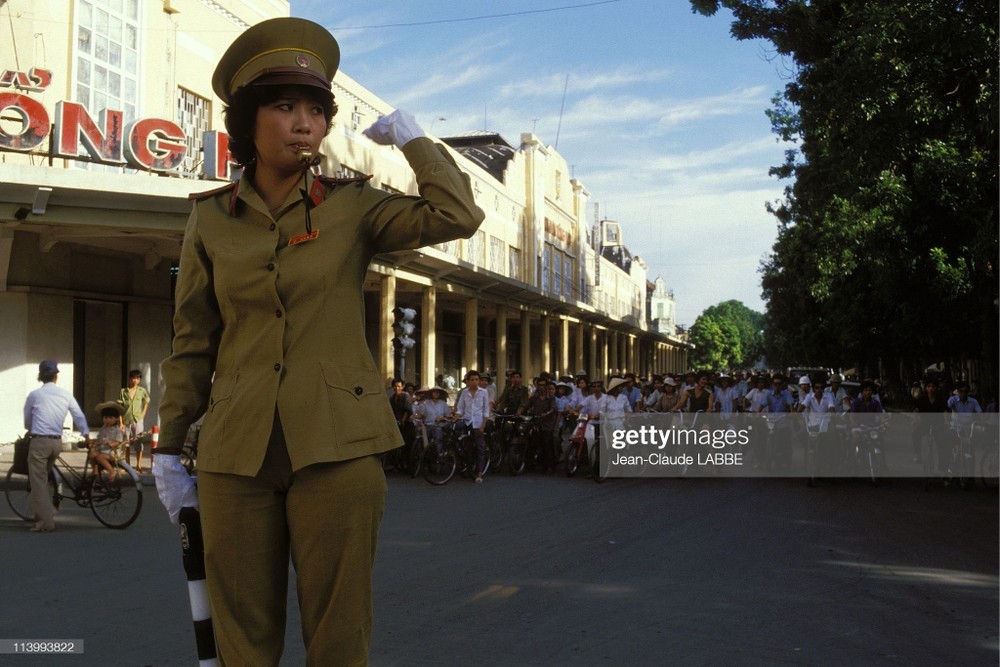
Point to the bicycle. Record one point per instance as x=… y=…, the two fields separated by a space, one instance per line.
x=963 y=460
x=494 y=444
x=869 y=455
x=812 y=452
x=580 y=454
x=520 y=451
x=929 y=457
x=115 y=499
x=457 y=453
x=989 y=464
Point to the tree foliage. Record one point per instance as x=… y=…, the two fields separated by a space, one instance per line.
x=727 y=335
x=887 y=238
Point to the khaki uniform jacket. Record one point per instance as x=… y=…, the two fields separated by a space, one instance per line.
x=263 y=325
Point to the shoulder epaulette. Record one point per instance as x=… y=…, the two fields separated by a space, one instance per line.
x=344 y=181
x=211 y=193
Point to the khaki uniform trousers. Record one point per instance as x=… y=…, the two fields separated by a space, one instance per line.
x=42 y=454
x=327 y=517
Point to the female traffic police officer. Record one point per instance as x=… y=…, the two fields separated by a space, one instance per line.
x=270 y=346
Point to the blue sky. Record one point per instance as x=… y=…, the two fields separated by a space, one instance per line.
x=663 y=120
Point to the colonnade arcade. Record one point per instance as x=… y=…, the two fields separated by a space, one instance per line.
x=469 y=319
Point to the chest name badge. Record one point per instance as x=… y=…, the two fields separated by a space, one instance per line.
x=302 y=238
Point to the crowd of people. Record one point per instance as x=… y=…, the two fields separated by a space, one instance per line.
x=551 y=399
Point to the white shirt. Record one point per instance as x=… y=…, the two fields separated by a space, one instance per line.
x=818 y=410
x=474 y=407
x=725 y=400
x=617 y=407
x=594 y=406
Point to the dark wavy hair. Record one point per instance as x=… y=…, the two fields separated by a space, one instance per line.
x=241 y=115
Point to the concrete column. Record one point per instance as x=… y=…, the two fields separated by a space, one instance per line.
x=501 y=346
x=633 y=355
x=563 y=356
x=387 y=301
x=470 y=355
x=428 y=335
x=582 y=354
x=525 y=360
x=612 y=354
x=592 y=366
x=605 y=360
x=546 y=344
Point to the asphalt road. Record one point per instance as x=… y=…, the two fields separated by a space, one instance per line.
x=554 y=571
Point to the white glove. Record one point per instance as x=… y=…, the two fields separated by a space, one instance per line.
x=397 y=128
x=174 y=485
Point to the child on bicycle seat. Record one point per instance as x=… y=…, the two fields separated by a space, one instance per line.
x=109 y=438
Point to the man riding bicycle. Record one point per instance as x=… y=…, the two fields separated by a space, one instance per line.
x=962 y=407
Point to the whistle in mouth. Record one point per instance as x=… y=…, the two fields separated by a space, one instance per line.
x=305 y=156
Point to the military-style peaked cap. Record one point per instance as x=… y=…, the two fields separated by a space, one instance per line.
x=278 y=51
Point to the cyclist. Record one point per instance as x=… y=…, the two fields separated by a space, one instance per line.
x=741 y=386
x=929 y=401
x=699 y=398
x=753 y=398
x=838 y=393
x=618 y=404
x=542 y=406
x=593 y=406
x=514 y=398
x=775 y=404
x=474 y=407
x=866 y=403
x=632 y=392
x=962 y=407
x=818 y=406
x=44 y=412
x=668 y=396
x=402 y=410
x=725 y=396
x=434 y=411
x=805 y=384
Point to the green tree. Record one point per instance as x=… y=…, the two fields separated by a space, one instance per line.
x=726 y=335
x=887 y=238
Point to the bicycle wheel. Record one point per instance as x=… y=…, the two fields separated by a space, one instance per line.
x=871 y=459
x=495 y=452
x=989 y=468
x=572 y=463
x=598 y=475
x=928 y=458
x=811 y=460
x=516 y=462
x=416 y=457
x=966 y=465
x=18 y=491
x=438 y=468
x=116 y=501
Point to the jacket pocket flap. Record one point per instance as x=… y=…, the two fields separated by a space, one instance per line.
x=358 y=381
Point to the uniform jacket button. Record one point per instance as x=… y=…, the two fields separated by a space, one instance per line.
x=277 y=367
x=359 y=390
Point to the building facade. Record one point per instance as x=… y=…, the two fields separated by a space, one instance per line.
x=108 y=123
